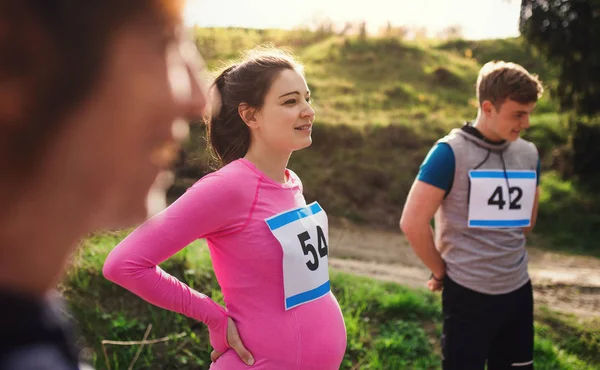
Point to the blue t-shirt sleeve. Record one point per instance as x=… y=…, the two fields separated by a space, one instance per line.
x=438 y=166
x=538 y=170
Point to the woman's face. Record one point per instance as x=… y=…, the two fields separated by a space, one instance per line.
x=286 y=117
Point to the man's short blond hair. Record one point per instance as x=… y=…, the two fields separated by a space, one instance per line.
x=500 y=80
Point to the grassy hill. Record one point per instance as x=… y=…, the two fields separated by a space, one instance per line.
x=380 y=105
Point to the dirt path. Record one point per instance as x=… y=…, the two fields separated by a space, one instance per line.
x=562 y=282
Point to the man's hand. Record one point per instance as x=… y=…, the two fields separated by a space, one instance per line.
x=435 y=284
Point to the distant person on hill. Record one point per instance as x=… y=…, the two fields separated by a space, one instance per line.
x=89 y=91
x=480 y=183
x=268 y=247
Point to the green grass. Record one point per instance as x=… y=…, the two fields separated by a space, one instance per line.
x=568 y=216
x=566 y=342
x=388 y=326
x=579 y=337
x=515 y=50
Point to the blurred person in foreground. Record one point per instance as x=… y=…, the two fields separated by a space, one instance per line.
x=94 y=96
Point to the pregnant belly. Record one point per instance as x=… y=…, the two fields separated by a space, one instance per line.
x=310 y=336
x=322 y=334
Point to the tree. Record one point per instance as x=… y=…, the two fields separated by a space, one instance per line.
x=568 y=33
x=362 y=30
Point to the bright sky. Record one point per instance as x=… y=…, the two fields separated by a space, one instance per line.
x=479 y=19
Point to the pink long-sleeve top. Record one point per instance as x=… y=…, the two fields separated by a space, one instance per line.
x=230 y=209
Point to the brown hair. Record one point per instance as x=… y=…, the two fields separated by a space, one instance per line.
x=499 y=81
x=245 y=82
x=51 y=56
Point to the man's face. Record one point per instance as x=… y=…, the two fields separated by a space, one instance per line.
x=510 y=119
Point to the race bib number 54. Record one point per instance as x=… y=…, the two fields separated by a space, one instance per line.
x=501 y=199
x=304 y=237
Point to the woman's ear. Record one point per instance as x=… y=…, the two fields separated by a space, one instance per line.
x=248 y=115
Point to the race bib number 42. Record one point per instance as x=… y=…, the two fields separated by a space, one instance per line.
x=501 y=199
x=304 y=237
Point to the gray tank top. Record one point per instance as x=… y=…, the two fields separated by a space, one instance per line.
x=478 y=227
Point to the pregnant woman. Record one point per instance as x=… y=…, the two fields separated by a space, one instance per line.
x=268 y=247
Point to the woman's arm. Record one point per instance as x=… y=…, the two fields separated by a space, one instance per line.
x=133 y=264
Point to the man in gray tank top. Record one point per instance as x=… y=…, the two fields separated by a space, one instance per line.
x=480 y=184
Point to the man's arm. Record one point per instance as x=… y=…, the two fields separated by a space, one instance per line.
x=434 y=181
x=534 y=212
x=422 y=203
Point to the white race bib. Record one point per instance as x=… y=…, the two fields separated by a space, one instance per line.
x=304 y=236
x=493 y=204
